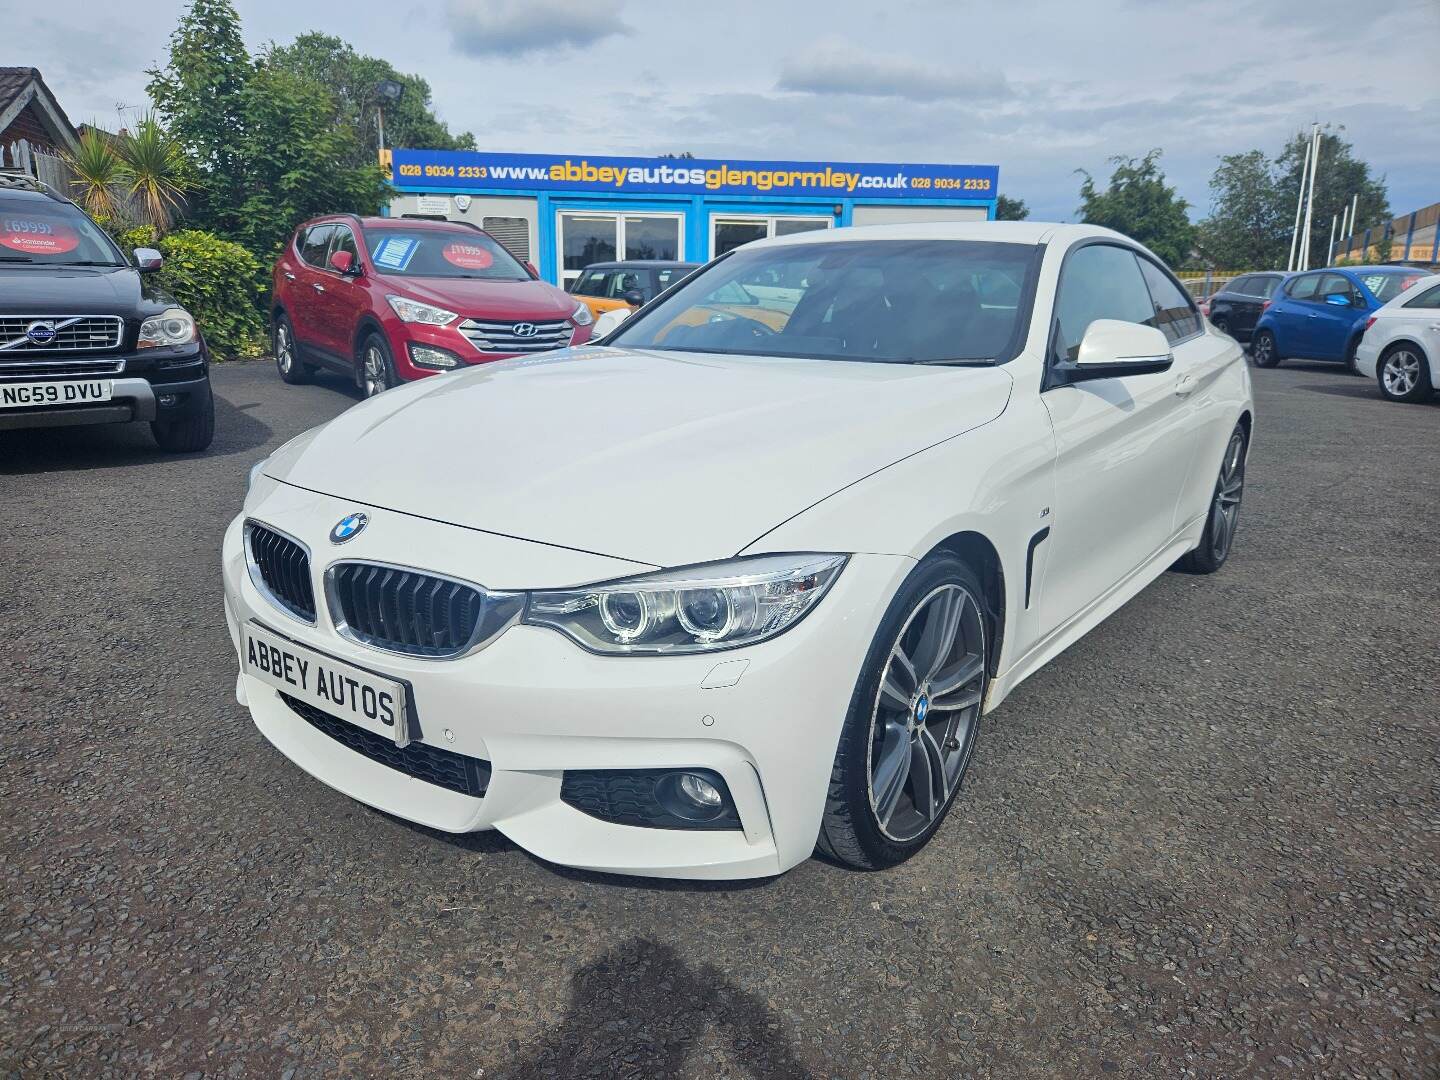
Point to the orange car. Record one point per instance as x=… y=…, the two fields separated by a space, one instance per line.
x=604 y=286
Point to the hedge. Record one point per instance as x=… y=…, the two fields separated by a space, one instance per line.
x=217 y=281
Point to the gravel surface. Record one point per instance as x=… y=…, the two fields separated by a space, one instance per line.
x=1203 y=842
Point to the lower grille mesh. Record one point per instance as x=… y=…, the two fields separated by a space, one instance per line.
x=443 y=768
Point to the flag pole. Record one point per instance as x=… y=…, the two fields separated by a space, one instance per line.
x=1299 y=203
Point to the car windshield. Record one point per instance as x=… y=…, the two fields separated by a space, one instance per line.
x=51 y=233
x=441 y=253
x=893 y=301
x=1385 y=287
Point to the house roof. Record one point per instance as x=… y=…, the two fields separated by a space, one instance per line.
x=22 y=86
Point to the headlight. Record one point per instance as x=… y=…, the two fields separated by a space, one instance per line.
x=414 y=311
x=581 y=316
x=173 y=326
x=697 y=609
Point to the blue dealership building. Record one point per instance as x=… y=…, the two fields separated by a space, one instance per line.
x=563 y=212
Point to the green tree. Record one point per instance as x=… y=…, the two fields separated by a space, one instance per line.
x=296 y=158
x=200 y=96
x=351 y=78
x=1008 y=209
x=99 y=175
x=156 y=172
x=1250 y=215
x=1338 y=179
x=1141 y=205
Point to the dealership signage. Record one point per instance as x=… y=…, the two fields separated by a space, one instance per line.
x=586 y=174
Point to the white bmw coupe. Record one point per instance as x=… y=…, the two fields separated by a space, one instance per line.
x=736 y=583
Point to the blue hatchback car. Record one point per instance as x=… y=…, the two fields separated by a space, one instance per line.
x=1321 y=314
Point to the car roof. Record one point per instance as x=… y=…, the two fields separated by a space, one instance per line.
x=1374 y=269
x=999 y=232
x=641 y=264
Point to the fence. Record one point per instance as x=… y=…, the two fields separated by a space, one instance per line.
x=45 y=166
x=1201 y=284
x=1410 y=238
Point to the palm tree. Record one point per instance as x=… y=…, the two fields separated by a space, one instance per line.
x=157 y=172
x=100 y=172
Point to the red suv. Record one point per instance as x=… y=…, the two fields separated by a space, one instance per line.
x=389 y=300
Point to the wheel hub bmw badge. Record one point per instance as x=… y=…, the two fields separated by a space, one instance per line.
x=921 y=708
x=348 y=527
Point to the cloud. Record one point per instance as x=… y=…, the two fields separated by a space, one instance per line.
x=519 y=27
x=833 y=66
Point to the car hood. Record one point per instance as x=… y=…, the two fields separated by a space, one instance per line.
x=656 y=457
x=79 y=290
x=476 y=298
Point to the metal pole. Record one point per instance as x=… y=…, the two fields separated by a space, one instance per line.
x=1310 y=199
x=380 y=123
x=1330 y=247
x=1354 y=211
x=1299 y=202
x=1345 y=221
x=1410 y=235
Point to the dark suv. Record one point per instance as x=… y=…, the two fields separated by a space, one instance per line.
x=84 y=338
x=1235 y=309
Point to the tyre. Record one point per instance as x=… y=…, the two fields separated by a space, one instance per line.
x=376 y=371
x=1350 y=357
x=189 y=434
x=1224 y=515
x=1264 y=351
x=912 y=722
x=1403 y=375
x=287 y=353
x=1223 y=325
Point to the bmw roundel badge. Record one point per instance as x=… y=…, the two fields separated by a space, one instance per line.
x=349 y=527
x=921 y=708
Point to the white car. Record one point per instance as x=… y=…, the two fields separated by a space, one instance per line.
x=1401 y=346
x=738 y=583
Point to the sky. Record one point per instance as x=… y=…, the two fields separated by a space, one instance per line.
x=1040 y=89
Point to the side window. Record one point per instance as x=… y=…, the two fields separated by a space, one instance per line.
x=344 y=241
x=315 y=244
x=665 y=278
x=1174 y=314
x=1099 y=282
x=621 y=282
x=1245 y=286
x=1430 y=298
x=1303 y=288
x=1336 y=283
x=590 y=283
x=1265 y=286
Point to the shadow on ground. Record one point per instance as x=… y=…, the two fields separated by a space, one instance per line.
x=639 y=1010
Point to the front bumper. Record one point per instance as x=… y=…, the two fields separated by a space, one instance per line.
x=131 y=400
x=533 y=705
x=402 y=334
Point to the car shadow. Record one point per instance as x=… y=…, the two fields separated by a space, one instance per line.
x=639 y=1010
x=109 y=446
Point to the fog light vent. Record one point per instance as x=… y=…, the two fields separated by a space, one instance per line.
x=652 y=798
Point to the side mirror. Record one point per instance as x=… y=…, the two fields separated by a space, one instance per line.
x=530 y=267
x=609 y=322
x=148 y=260
x=342 y=262
x=1112 y=348
x=1338 y=299
x=633 y=297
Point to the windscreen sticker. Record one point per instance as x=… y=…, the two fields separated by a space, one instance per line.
x=395 y=252
x=468 y=256
x=37 y=237
x=1374 y=282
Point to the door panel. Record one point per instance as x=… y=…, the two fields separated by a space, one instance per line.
x=1331 y=324
x=338 y=306
x=304 y=312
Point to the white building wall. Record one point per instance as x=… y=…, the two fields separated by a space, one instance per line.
x=891 y=215
x=480 y=207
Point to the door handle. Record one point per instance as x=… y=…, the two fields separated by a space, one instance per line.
x=1185 y=386
x=318 y=287
x=1435 y=326
x=1314 y=316
x=289 y=276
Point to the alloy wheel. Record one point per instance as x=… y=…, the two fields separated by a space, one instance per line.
x=1225 y=509
x=1401 y=372
x=284 y=349
x=1262 y=349
x=376 y=380
x=924 y=720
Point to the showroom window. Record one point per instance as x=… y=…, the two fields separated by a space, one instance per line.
x=587 y=238
x=729 y=231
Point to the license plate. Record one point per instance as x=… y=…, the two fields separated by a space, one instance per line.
x=353 y=694
x=54 y=393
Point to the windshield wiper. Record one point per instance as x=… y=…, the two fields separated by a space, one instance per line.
x=16 y=258
x=91 y=262
x=954 y=362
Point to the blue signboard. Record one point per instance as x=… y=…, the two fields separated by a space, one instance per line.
x=452 y=170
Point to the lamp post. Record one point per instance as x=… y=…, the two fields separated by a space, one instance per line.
x=386 y=91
